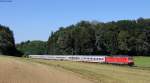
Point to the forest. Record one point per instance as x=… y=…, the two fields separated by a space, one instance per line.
x=122 y=37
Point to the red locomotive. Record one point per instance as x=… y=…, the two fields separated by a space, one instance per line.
x=124 y=60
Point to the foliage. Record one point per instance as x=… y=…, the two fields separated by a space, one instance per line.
x=130 y=37
x=32 y=47
x=7 y=43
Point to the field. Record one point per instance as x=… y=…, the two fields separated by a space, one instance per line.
x=142 y=62
x=46 y=71
x=17 y=70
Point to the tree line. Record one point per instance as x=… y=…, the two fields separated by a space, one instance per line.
x=123 y=37
x=35 y=47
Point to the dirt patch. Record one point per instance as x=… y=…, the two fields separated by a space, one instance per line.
x=16 y=71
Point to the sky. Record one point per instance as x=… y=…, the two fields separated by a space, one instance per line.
x=35 y=19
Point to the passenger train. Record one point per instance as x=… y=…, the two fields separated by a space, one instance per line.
x=123 y=60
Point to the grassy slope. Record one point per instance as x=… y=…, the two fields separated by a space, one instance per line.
x=101 y=73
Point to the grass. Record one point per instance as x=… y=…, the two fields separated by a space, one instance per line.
x=142 y=61
x=102 y=73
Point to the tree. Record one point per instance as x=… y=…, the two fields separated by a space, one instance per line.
x=123 y=42
x=7 y=42
x=33 y=47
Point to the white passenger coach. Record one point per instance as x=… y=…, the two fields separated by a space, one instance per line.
x=100 y=59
